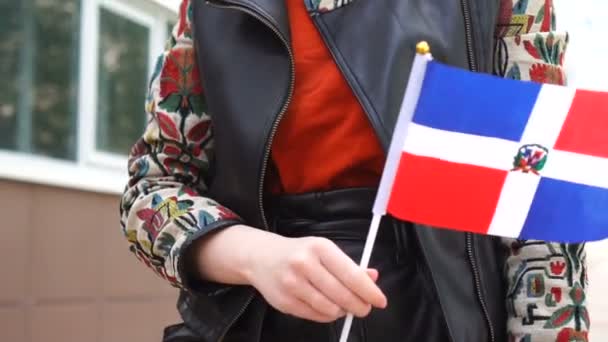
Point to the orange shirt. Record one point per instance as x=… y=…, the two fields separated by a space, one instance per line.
x=324 y=141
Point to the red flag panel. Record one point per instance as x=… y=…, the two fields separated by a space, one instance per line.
x=445 y=194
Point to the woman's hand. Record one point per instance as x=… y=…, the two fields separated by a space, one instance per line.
x=312 y=278
x=309 y=277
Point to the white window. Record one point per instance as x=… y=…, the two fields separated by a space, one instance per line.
x=75 y=78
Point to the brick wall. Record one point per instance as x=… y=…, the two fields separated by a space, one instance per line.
x=67 y=275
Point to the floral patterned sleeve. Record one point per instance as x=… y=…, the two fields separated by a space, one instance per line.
x=164 y=208
x=547 y=282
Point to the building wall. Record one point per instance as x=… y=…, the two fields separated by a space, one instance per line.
x=67 y=275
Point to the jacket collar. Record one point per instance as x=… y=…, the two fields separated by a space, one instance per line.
x=275 y=11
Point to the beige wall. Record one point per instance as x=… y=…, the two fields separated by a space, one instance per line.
x=597 y=260
x=67 y=275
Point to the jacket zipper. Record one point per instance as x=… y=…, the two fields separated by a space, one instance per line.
x=277 y=120
x=242 y=8
x=468 y=31
x=478 y=290
x=468 y=28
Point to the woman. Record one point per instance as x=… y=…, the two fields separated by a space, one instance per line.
x=252 y=186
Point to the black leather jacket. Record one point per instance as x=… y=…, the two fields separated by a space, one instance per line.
x=245 y=56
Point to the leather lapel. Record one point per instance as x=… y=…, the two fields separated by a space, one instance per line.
x=273 y=10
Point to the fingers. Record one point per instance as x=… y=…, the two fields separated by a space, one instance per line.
x=336 y=292
x=303 y=310
x=315 y=280
x=310 y=295
x=373 y=274
x=352 y=276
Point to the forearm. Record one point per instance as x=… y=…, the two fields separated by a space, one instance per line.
x=227 y=256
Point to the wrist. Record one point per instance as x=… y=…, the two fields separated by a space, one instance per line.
x=247 y=256
x=260 y=251
x=234 y=255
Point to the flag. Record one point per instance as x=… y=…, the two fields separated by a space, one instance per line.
x=482 y=154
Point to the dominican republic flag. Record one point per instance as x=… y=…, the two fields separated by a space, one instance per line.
x=483 y=154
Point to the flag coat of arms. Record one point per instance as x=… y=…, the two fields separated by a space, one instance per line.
x=483 y=154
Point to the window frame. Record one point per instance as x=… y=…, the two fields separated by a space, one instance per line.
x=93 y=169
x=87 y=128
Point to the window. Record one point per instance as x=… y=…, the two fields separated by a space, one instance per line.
x=74 y=86
x=39 y=56
x=123 y=64
x=128 y=40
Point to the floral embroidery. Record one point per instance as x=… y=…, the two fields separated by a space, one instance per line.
x=163 y=205
x=573 y=312
x=546 y=291
x=546 y=281
x=570 y=335
x=180 y=87
x=544 y=73
x=518 y=17
x=185 y=18
x=547 y=48
x=538 y=57
x=161 y=211
x=525 y=48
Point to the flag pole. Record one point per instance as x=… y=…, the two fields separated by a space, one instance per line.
x=410 y=100
x=367 y=254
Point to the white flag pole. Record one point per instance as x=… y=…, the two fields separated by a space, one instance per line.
x=408 y=107
x=367 y=254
